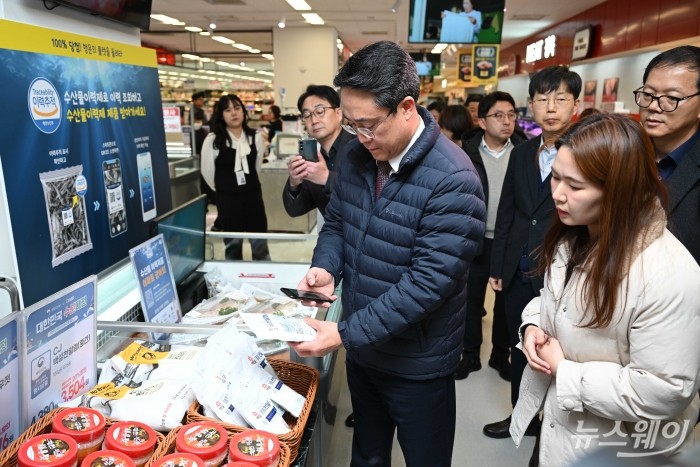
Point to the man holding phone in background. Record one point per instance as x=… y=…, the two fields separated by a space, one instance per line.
x=310 y=183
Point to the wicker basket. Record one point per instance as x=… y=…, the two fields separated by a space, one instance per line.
x=8 y=457
x=168 y=447
x=302 y=379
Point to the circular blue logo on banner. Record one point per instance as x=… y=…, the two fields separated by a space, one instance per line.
x=44 y=105
x=81 y=185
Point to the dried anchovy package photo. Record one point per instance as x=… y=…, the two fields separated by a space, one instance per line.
x=66 y=213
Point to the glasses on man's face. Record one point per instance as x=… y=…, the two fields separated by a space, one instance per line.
x=319 y=111
x=365 y=132
x=545 y=101
x=665 y=103
x=502 y=117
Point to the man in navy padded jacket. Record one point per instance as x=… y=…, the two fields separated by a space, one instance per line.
x=403 y=251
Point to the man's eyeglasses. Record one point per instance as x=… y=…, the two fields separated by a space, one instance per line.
x=666 y=103
x=319 y=111
x=366 y=132
x=502 y=116
x=544 y=101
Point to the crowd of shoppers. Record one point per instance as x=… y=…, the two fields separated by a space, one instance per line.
x=589 y=236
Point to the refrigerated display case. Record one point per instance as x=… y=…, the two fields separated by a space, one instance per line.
x=120 y=322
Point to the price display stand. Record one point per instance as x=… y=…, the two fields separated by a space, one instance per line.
x=60 y=361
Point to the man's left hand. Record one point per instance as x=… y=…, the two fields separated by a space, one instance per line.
x=327 y=339
x=317 y=172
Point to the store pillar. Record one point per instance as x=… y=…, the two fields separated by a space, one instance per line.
x=303 y=55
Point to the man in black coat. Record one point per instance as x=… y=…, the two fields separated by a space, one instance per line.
x=669 y=110
x=310 y=184
x=489 y=149
x=525 y=213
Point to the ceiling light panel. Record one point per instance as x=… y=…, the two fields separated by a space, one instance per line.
x=224 y=40
x=299 y=5
x=312 y=18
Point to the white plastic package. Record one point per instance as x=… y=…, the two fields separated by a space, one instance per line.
x=224 y=306
x=216 y=282
x=148 y=360
x=160 y=404
x=230 y=341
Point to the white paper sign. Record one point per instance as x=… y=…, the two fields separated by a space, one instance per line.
x=171 y=118
x=283 y=328
x=60 y=360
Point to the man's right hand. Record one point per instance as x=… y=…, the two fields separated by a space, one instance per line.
x=318 y=280
x=297 y=171
x=496 y=284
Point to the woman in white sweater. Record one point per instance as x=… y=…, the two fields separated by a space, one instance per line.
x=612 y=341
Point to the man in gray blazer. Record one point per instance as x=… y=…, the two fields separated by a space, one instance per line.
x=669 y=109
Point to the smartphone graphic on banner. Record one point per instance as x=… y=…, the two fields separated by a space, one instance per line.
x=114 y=192
x=148 y=195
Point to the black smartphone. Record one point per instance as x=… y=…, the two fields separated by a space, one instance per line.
x=308 y=149
x=306 y=295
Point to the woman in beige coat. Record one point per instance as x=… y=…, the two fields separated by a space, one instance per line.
x=612 y=341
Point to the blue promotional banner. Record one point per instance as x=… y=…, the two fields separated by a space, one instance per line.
x=82 y=148
x=156 y=283
x=60 y=356
x=10 y=376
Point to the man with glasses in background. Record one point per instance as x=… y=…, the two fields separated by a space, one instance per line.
x=525 y=212
x=405 y=219
x=489 y=149
x=310 y=183
x=669 y=110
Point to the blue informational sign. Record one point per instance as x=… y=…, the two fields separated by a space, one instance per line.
x=60 y=355
x=156 y=283
x=81 y=143
x=10 y=376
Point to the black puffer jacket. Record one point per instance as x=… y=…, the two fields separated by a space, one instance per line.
x=405 y=257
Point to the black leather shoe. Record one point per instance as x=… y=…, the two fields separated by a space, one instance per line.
x=350 y=421
x=466 y=366
x=500 y=430
x=502 y=365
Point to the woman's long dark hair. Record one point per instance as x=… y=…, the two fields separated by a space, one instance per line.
x=614 y=153
x=218 y=124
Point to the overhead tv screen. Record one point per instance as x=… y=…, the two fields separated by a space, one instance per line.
x=427 y=64
x=133 y=12
x=455 y=22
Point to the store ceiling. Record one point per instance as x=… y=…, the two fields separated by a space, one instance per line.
x=358 y=22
